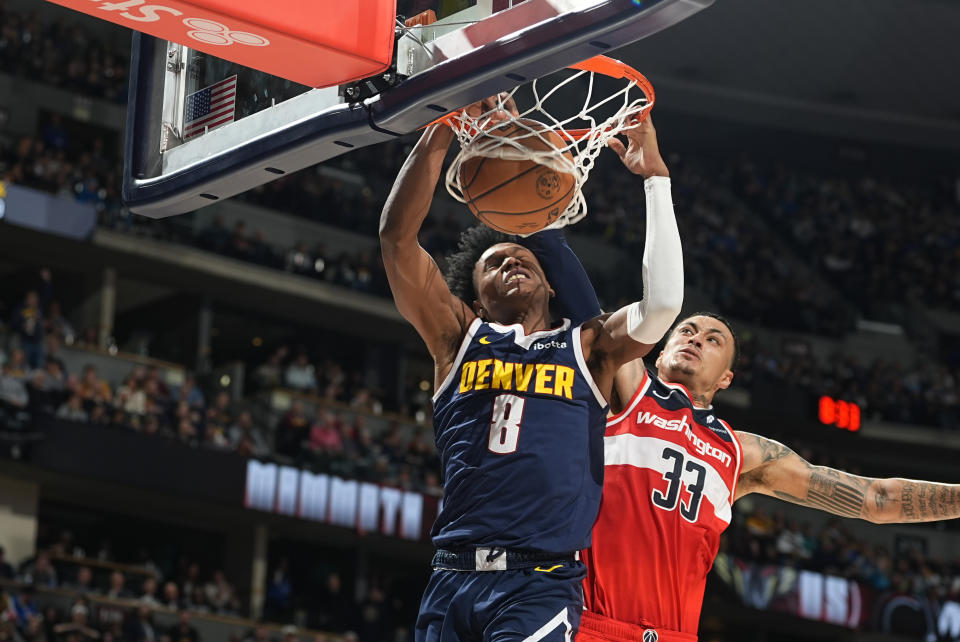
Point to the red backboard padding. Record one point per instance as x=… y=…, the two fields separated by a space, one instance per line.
x=313 y=42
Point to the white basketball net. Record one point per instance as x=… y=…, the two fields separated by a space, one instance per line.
x=482 y=135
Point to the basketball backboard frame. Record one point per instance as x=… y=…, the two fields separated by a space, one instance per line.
x=440 y=67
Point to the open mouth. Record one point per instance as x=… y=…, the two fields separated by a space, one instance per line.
x=513 y=277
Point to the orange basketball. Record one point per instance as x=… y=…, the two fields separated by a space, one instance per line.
x=517 y=196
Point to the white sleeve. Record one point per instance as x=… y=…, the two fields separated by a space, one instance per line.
x=650 y=318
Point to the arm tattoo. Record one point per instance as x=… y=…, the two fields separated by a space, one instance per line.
x=834 y=492
x=771 y=450
x=926 y=501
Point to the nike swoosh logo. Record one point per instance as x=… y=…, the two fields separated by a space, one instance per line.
x=547 y=570
x=656 y=394
x=485 y=341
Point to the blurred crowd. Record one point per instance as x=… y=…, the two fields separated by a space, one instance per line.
x=923 y=392
x=52 y=162
x=117 y=599
x=328 y=431
x=879 y=241
x=766 y=538
x=61 y=53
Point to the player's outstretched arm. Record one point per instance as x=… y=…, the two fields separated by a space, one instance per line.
x=576 y=300
x=418 y=287
x=632 y=331
x=772 y=469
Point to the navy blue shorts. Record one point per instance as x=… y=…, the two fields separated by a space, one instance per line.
x=541 y=603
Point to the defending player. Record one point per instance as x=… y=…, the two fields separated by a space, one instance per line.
x=519 y=409
x=673 y=470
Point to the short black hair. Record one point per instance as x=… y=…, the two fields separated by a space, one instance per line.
x=713 y=315
x=474 y=241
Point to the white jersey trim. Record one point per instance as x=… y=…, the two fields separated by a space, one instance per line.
x=637 y=396
x=584 y=370
x=526 y=340
x=471 y=330
x=646 y=452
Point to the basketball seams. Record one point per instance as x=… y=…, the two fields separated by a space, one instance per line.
x=559 y=199
x=475 y=197
x=476 y=172
x=508 y=187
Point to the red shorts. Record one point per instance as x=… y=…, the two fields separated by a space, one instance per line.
x=599 y=628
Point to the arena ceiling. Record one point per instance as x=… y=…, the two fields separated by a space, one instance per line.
x=846 y=66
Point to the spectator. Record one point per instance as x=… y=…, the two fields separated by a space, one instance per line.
x=278 y=603
x=149 y=595
x=72 y=410
x=268 y=375
x=171 y=596
x=25 y=604
x=157 y=387
x=298 y=260
x=18 y=365
x=335 y=607
x=219 y=592
x=40 y=572
x=140 y=627
x=183 y=631
x=190 y=581
x=131 y=397
x=246 y=438
x=292 y=431
x=13 y=392
x=198 y=601
x=190 y=393
x=83 y=582
x=300 y=374
x=218 y=421
x=373 y=618
x=118 y=586
x=56 y=325
x=92 y=388
x=325 y=440
x=78 y=628
x=99 y=416
x=27 y=325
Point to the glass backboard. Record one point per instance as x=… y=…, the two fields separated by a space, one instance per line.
x=201 y=129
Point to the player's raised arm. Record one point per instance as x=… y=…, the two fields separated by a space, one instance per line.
x=770 y=468
x=418 y=287
x=632 y=331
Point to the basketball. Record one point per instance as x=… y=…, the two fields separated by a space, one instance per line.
x=513 y=194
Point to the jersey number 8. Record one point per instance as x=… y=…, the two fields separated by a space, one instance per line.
x=505 y=424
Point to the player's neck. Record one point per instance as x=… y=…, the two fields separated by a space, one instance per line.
x=532 y=320
x=700 y=398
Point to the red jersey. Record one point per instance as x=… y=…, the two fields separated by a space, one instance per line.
x=670 y=473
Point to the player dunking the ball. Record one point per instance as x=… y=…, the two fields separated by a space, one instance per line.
x=519 y=408
x=674 y=469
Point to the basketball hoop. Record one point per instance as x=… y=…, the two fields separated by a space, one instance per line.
x=485 y=135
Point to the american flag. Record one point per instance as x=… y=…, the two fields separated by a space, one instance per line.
x=210 y=107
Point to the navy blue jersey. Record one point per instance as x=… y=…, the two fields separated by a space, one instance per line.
x=519 y=426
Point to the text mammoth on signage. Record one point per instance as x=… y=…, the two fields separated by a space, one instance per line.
x=343 y=502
